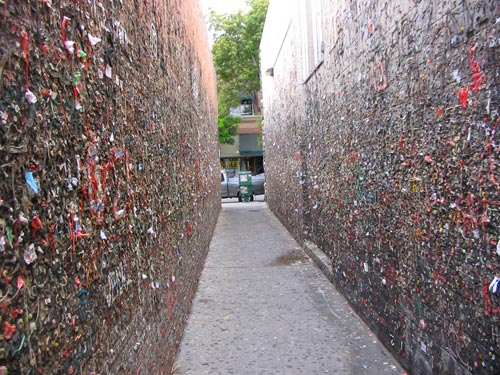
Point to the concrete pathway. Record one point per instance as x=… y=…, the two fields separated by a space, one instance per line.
x=263 y=307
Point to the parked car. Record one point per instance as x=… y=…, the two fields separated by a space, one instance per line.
x=230 y=185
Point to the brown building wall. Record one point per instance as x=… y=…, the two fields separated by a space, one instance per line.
x=387 y=158
x=107 y=182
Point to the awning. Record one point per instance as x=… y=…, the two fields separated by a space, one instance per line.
x=252 y=153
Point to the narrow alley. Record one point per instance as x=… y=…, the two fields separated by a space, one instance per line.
x=371 y=126
x=263 y=307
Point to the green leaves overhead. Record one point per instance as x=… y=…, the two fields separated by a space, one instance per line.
x=236 y=53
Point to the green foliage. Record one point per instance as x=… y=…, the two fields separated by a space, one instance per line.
x=228 y=125
x=236 y=53
x=260 y=125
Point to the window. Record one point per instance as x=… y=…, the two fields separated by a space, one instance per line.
x=246 y=107
x=233 y=163
x=311 y=26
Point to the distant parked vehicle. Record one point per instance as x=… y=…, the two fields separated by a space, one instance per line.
x=230 y=185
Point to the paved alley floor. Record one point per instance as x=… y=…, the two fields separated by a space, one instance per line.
x=263 y=307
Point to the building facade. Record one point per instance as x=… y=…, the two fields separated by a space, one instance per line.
x=246 y=153
x=381 y=147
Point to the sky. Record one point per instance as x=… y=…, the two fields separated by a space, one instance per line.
x=222 y=6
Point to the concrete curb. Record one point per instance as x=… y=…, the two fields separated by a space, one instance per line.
x=320 y=258
x=325 y=265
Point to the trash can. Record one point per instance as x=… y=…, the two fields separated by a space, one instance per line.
x=246 y=189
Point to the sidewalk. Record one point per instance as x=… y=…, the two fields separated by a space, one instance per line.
x=263 y=307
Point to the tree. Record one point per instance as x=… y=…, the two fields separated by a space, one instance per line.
x=228 y=125
x=236 y=55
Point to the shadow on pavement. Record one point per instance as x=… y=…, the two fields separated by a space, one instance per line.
x=257 y=198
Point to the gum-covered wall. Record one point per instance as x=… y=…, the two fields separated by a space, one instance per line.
x=108 y=182
x=387 y=158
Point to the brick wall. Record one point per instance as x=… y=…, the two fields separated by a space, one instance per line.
x=387 y=157
x=108 y=190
